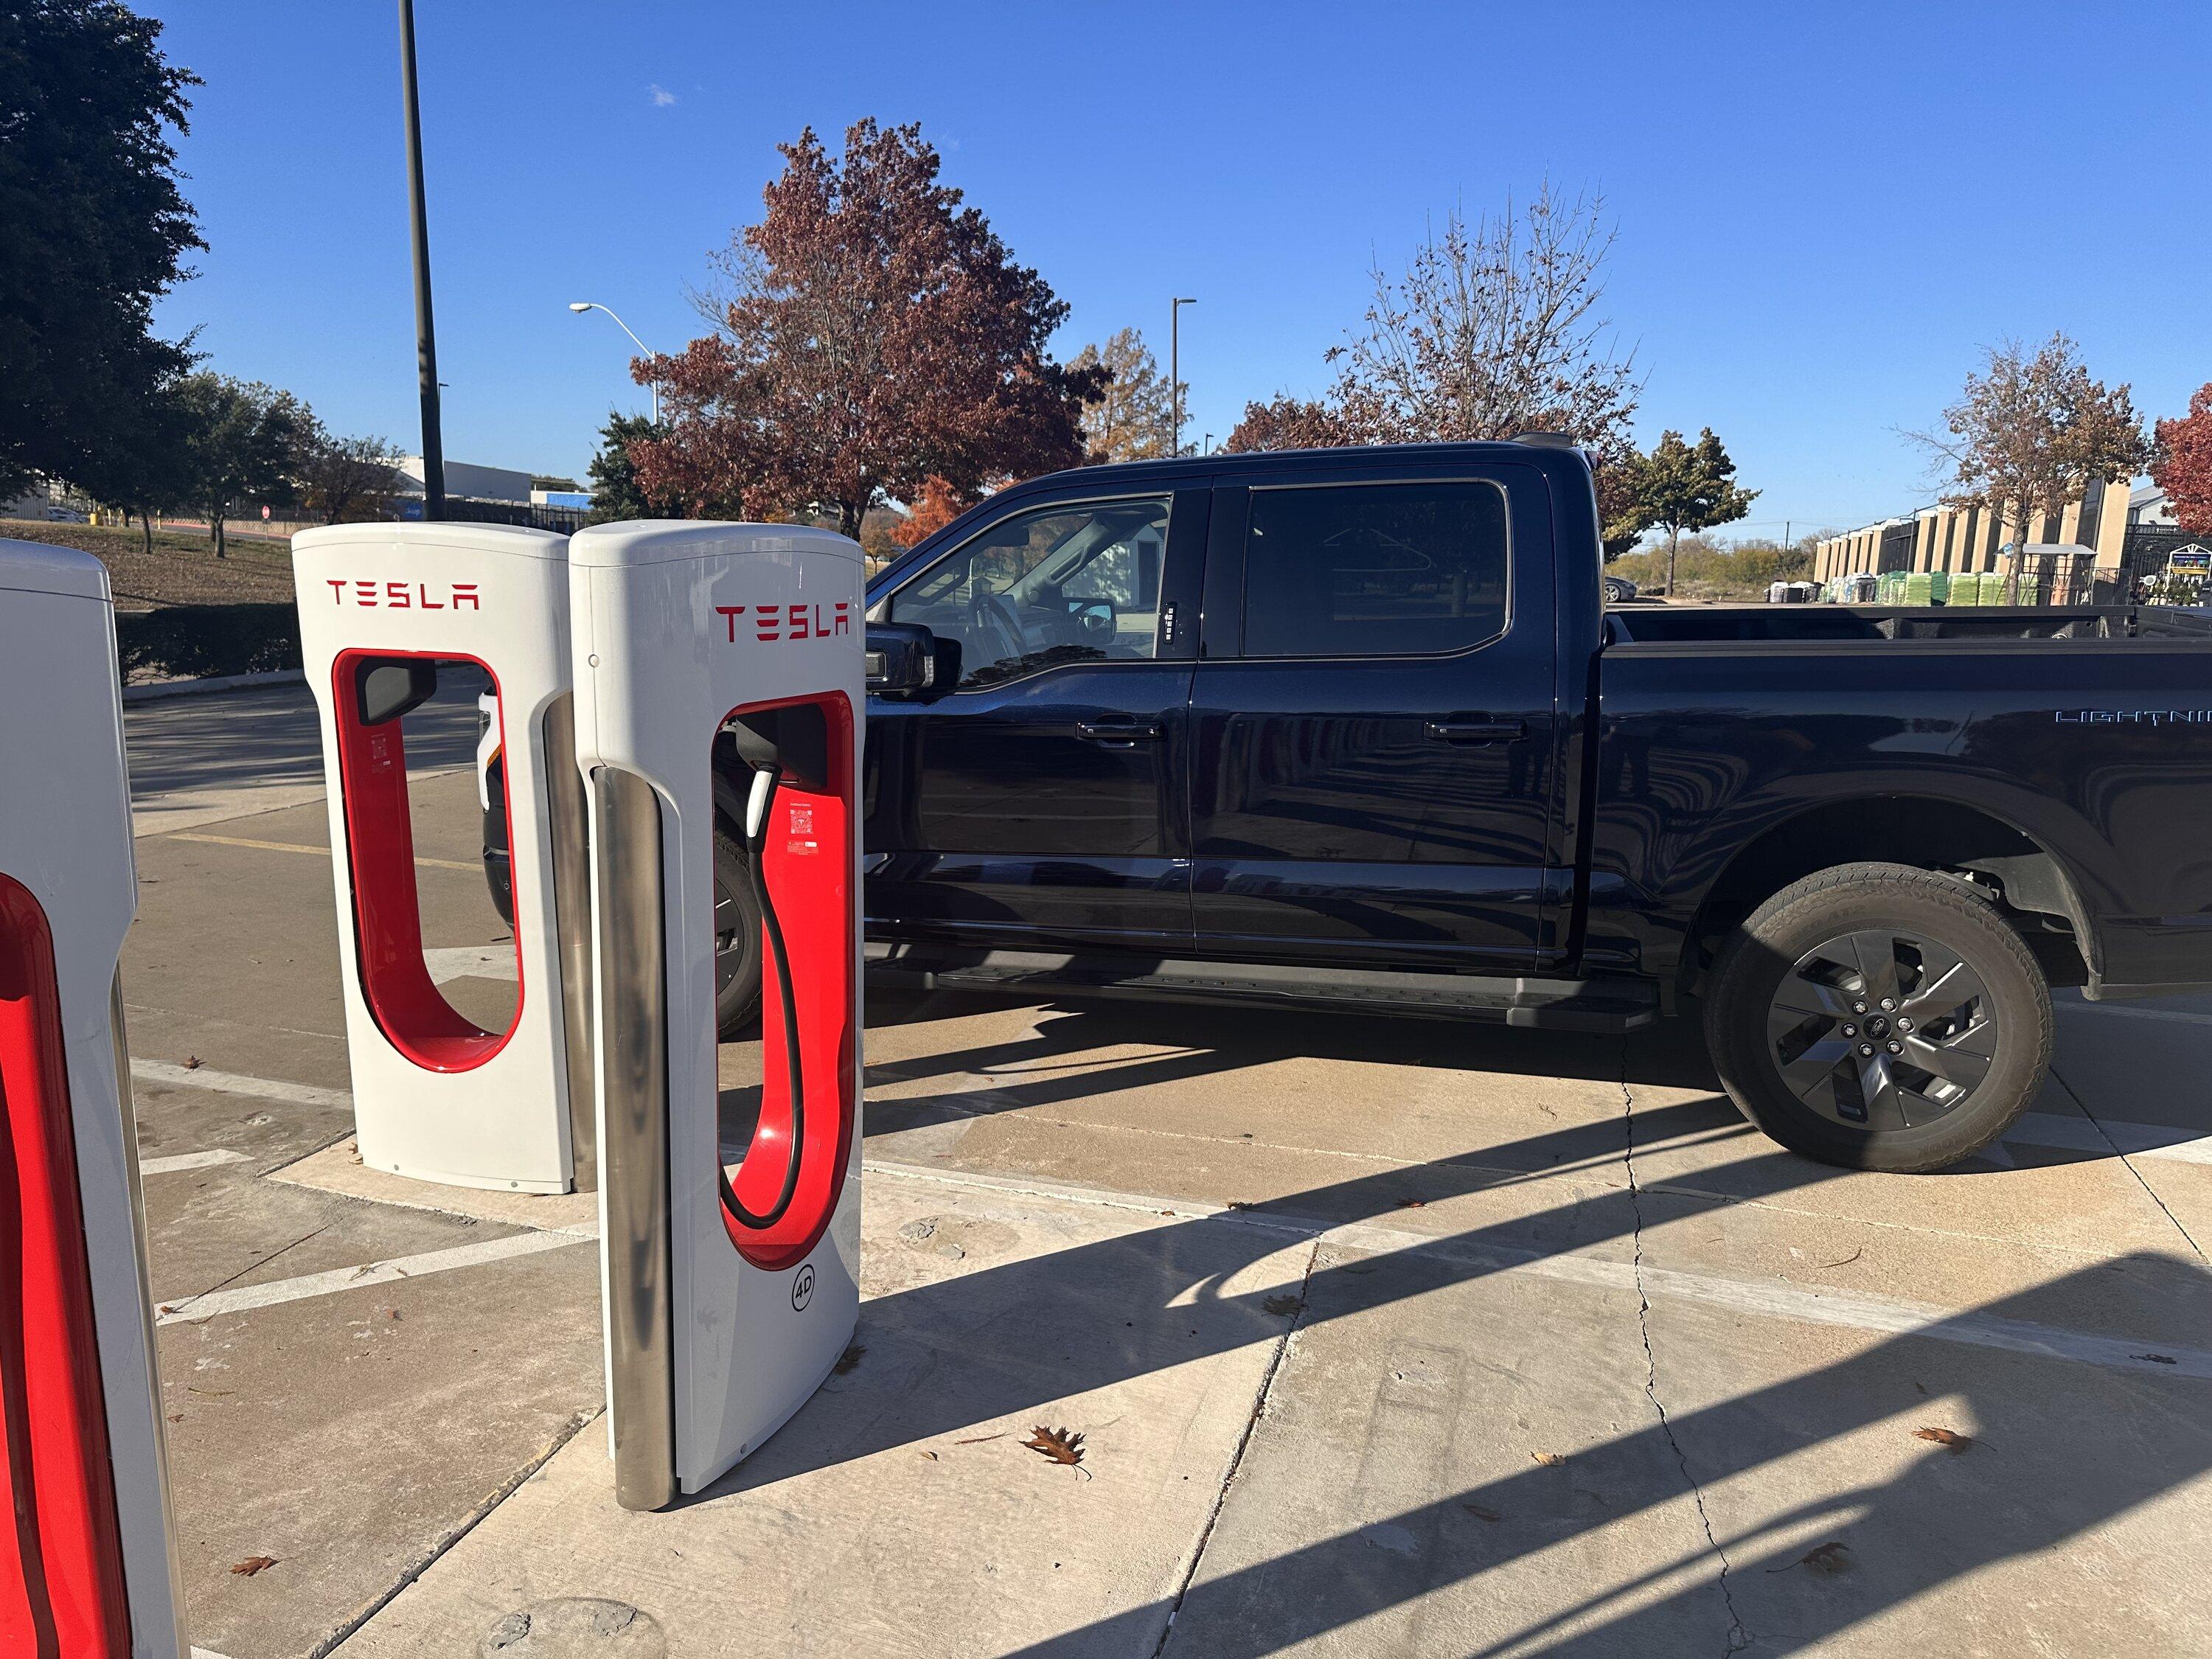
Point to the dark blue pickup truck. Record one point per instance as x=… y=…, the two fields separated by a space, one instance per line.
x=1353 y=729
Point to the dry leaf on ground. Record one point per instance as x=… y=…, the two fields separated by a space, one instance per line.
x=1949 y=1439
x=847 y=1360
x=1549 y=1460
x=255 y=1563
x=1288 y=1301
x=1061 y=1445
x=1481 y=1512
x=1827 y=1559
x=192 y=1062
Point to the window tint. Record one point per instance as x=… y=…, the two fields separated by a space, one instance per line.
x=1370 y=570
x=1064 y=584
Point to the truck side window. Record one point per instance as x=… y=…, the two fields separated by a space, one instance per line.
x=1374 y=570
x=1071 y=583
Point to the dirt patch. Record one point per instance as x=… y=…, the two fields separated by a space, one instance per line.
x=182 y=569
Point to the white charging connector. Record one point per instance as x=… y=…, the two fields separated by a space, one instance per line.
x=756 y=803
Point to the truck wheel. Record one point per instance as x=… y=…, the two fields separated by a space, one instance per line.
x=737 y=938
x=1880 y=1017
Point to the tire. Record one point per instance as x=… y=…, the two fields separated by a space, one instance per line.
x=1946 y=1077
x=737 y=938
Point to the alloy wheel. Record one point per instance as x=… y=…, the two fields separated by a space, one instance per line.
x=1882 y=1029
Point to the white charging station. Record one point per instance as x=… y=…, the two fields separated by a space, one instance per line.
x=92 y=1572
x=729 y=1295
x=436 y=1096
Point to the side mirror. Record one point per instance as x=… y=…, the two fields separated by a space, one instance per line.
x=387 y=687
x=904 y=659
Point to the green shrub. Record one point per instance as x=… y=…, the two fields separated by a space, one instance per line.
x=197 y=641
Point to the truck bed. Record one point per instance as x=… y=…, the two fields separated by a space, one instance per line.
x=1827 y=623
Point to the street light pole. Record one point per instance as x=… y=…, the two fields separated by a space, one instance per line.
x=426 y=343
x=579 y=306
x=1175 y=368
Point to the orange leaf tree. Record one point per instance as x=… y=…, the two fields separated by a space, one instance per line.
x=871 y=332
x=2183 y=468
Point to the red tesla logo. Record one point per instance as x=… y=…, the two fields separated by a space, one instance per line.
x=777 y=624
x=404 y=596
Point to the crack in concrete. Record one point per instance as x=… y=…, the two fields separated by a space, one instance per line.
x=2127 y=1163
x=1739 y=1636
x=1237 y=1457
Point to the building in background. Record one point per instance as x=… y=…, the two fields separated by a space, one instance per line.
x=469 y=482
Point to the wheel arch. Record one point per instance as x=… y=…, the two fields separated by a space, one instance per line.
x=2028 y=883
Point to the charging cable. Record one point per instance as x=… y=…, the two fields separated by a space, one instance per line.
x=765 y=778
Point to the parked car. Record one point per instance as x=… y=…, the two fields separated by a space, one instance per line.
x=1351 y=729
x=1619 y=590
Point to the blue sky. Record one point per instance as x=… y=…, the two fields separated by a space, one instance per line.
x=1824 y=211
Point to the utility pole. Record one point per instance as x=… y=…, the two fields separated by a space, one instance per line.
x=1175 y=369
x=426 y=344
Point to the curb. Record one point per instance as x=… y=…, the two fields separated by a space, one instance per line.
x=166 y=689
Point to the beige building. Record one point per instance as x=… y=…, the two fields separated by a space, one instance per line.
x=1969 y=538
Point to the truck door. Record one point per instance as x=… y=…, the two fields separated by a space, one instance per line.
x=1375 y=739
x=1038 y=799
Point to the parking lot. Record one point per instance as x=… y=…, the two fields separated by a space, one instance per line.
x=1382 y=1337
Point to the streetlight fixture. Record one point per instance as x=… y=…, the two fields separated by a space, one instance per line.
x=1175 y=366
x=579 y=306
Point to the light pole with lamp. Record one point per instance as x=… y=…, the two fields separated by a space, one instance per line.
x=579 y=306
x=1175 y=368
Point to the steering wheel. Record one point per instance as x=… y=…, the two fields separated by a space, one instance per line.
x=991 y=613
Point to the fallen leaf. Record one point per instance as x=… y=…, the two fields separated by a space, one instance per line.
x=255 y=1563
x=1827 y=1559
x=2156 y=1358
x=1412 y=1203
x=980 y=1438
x=848 y=1361
x=1288 y=1301
x=1240 y=1204
x=191 y=1062
x=176 y=1417
x=1549 y=1460
x=1061 y=1445
x=1481 y=1513
x=395 y=1313
x=1950 y=1439
x=931 y=1455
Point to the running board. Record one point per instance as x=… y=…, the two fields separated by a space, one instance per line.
x=1560 y=1005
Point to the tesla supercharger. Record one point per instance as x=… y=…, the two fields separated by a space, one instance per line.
x=436 y=1095
x=729 y=1293
x=92 y=1574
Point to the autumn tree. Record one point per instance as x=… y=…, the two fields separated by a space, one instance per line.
x=93 y=230
x=1287 y=422
x=1494 y=330
x=937 y=506
x=869 y=332
x=2183 y=465
x=1678 y=486
x=241 y=444
x=1132 y=417
x=340 y=479
x=2029 y=432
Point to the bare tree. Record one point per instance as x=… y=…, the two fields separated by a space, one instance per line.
x=1493 y=331
x=1135 y=406
x=2028 y=434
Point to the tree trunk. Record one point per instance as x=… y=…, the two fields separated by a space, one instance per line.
x=1674 y=537
x=146 y=524
x=222 y=549
x=849 y=514
x=2018 y=552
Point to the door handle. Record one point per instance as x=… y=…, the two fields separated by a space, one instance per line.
x=1120 y=734
x=1475 y=730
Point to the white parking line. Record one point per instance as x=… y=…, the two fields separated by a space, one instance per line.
x=153 y=1166
x=1765 y=1298
x=230 y=1082
x=182 y=1309
x=2080 y=1135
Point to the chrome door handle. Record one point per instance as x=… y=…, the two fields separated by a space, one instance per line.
x=1476 y=731
x=1120 y=734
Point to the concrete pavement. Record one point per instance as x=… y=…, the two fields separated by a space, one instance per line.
x=1383 y=1338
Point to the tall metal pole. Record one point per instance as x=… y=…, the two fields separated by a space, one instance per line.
x=1175 y=369
x=426 y=344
